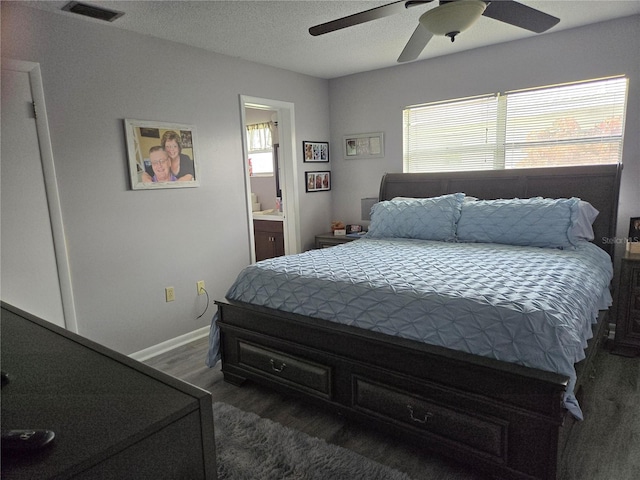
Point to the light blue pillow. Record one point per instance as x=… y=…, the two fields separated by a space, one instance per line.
x=536 y=222
x=431 y=218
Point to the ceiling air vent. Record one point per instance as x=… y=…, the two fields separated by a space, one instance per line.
x=92 y=11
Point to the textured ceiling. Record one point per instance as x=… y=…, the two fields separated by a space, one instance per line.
x=276 y=32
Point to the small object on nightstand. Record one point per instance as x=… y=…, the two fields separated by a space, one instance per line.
x=340 y=232
x=633 y=247
x=627 y=338
x=337 y=225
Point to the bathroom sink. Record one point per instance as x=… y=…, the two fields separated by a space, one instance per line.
x=271 y=214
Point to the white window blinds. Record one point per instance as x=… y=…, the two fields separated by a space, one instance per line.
x=450 y=136
x=575 y=124
x=578 y=124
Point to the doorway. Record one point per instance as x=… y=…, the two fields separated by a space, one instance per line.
x=33 y=238
x=285 y=171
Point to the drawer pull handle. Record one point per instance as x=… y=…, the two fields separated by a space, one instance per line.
x=277 y=369
x=427 y=416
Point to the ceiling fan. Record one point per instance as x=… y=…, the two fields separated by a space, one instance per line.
x=449 y=18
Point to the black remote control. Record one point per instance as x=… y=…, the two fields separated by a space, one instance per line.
x=26 y=440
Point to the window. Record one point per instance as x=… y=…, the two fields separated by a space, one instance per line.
x=260 y=150
x=574 y=124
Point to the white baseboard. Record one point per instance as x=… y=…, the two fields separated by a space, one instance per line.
x=170 y=344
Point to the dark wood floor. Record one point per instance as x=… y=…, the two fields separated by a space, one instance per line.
x=605 y=446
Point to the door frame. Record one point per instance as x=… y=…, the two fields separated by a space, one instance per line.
x=51 y=187
x=285 y=112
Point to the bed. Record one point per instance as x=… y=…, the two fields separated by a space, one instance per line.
x=491 y=374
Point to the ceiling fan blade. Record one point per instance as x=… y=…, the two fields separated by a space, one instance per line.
x=366 y=16
x=520 y=15
x=416 y=44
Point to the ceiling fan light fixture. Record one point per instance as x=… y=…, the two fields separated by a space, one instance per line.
x=449 y=19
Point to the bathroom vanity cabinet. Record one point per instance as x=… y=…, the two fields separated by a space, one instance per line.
x=269 y=239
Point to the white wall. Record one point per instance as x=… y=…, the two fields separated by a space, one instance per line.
x=126 y=246
x=373 y=101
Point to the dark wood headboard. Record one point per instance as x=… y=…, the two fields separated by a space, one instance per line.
x=596 y=184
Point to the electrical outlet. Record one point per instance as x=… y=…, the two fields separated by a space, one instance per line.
x=200 y=285
x=170 y=294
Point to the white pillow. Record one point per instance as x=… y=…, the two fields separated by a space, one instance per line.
x=583 y=228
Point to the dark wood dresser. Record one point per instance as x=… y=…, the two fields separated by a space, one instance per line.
x=627 y=338
x=113 y=417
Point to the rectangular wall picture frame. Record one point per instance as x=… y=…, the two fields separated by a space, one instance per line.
x=317 y=181
x=634 y=229
x=161 y=155
x=315 y=151
x=363 y=145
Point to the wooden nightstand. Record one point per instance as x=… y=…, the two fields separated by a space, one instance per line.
x=329 y=240
x=627 y=339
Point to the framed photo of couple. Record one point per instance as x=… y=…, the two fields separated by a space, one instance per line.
x=161 y=155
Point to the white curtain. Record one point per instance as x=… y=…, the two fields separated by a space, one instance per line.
x=259 y=137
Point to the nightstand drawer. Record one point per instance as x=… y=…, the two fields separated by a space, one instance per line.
x=329 y=240
x=634 y=326
x=635 y=301
x=292 y=371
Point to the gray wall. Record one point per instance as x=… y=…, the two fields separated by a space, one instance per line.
x=125 y=246
x=373 y=101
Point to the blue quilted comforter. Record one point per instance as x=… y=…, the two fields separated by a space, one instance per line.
x=526 y=305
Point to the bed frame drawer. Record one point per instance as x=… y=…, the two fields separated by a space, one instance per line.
x=510 y=430
x=483 y=434
x=290 y=370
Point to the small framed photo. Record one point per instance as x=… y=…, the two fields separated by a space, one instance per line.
x=634 y=229
x=315 y=151
x=161 y=155
x=317 y=181
x=363 y=145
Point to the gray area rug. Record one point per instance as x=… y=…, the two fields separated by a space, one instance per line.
x=254 y=448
